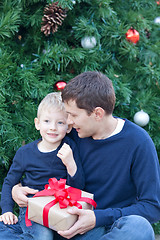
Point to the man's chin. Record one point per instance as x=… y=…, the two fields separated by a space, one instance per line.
x=81 y=135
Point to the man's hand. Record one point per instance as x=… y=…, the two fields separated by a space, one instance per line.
x=66 y=155
x=8 y=218
x=86 y=221
x=19 y=194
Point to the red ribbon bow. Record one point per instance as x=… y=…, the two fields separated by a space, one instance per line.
x=64 y=196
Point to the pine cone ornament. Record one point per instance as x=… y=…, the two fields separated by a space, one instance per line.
x=53 y=16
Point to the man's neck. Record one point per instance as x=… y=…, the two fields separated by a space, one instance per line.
x=105 y=128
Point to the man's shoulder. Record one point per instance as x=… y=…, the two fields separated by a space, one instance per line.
x=69 y=140
x=133 y=128
x=136 y=133
x=73 y=135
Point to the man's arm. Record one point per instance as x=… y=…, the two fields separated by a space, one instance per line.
x=19 y=194
x=86 y=221
x=146 y=176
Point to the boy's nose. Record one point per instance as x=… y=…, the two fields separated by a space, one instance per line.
x=53 y=126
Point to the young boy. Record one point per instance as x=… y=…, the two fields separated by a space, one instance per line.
x=54 y=155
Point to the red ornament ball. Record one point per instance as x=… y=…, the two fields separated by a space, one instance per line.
x=132 y=35
x=158 y=2
x=59 y=85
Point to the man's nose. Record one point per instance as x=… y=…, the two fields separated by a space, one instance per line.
x=69 y=121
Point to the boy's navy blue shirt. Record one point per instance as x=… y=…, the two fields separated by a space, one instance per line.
x=123 y=173
x=37 y=167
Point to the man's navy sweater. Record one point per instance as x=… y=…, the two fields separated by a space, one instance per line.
x=123 y=173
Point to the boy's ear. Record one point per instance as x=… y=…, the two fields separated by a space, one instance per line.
x=99 y=113
x=69 y=128
x=36 y=122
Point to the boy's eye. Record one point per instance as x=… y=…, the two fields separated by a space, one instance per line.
x=60 y=122
x=46 y=121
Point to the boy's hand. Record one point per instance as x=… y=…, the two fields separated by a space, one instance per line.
x=8 y=218
x=66 y=155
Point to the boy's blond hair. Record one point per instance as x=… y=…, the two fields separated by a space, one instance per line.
x=52 y=100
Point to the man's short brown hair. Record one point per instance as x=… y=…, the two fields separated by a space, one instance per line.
x=90 y=90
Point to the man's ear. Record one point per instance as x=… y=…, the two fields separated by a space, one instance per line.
x=99 y=113
x=69 y=128
x=36 y=122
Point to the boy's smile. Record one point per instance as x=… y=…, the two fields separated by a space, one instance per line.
x=52 y=135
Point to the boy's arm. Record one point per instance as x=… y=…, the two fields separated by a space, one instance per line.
x=70 y=157
x=13 y=177
x=66 y=155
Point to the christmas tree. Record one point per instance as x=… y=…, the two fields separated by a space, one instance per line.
x=42 y=42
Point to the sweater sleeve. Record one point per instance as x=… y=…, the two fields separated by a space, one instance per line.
x=145 y=173
x=13 y=177
x=78 y=180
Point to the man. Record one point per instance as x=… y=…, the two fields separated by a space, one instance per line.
x=120 y=164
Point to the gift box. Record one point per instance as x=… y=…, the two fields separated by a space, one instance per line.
x=49 y=206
